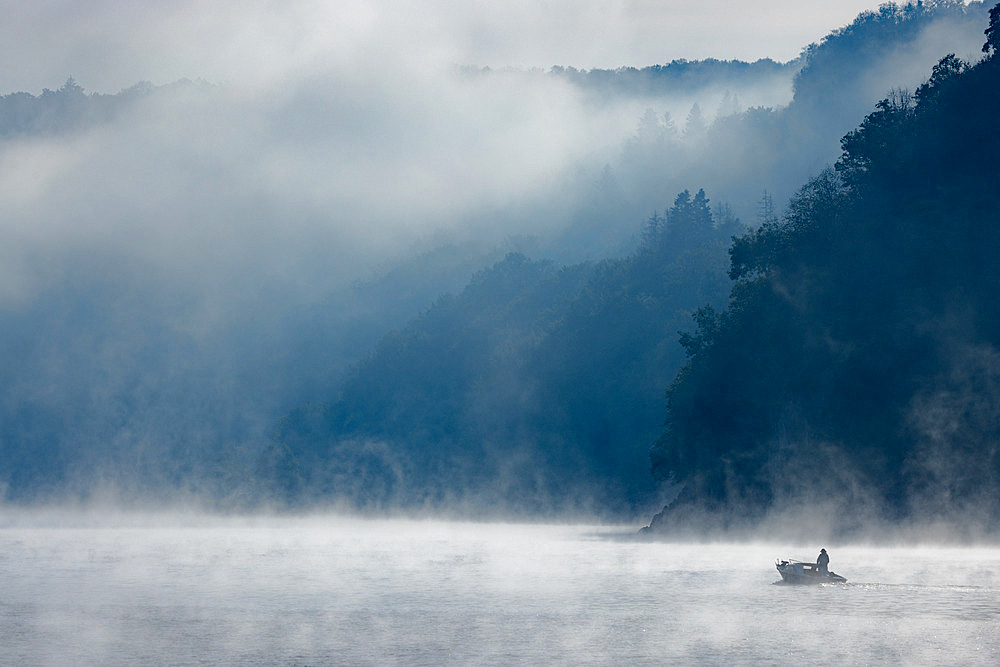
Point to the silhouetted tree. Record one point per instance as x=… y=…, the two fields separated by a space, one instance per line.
x=689 y=221
x=992 y=44
x=649 y=129
x=695 y=125
x=765 y=211
x=943 y=72
x=669 y=127
x=729 y=106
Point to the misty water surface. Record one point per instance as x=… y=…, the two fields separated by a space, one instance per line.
x=330 y=590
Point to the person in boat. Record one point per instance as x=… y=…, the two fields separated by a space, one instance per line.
x=823 y=562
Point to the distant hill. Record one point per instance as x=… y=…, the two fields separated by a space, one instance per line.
x=736 y=149
x=678 y=77
x=71 y=108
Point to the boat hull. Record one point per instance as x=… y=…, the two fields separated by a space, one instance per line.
x=793 y=572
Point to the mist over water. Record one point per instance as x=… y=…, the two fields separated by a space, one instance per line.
x=331 y=590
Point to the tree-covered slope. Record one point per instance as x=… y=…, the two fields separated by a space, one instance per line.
x=537 y=388
x=856 y=369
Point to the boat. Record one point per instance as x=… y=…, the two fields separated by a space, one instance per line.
x=799 y=572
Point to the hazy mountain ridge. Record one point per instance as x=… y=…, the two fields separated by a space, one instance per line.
x=736 y=153
x=71 y=109
x=534 y=389
x=659 y=82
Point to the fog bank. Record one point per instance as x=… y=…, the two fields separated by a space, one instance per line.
x=109 y=46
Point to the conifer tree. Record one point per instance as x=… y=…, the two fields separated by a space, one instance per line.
x=993 y=31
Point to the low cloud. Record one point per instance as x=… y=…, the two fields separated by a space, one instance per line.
x=109 y=45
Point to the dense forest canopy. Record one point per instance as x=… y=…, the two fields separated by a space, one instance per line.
x=854 y=372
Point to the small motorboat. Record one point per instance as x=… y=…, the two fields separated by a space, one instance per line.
x=798 y=572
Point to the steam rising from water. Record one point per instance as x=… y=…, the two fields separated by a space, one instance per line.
x=329 y=589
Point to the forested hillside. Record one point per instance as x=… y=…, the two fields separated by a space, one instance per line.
x=855 y=373
x=540 y=388
x=536 y=389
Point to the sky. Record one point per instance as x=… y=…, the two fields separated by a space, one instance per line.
x=107 y=45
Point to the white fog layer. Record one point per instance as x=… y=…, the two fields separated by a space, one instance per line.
x=331 y=590
x=110 y=46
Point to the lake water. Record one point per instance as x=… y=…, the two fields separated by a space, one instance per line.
x=329 y=590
